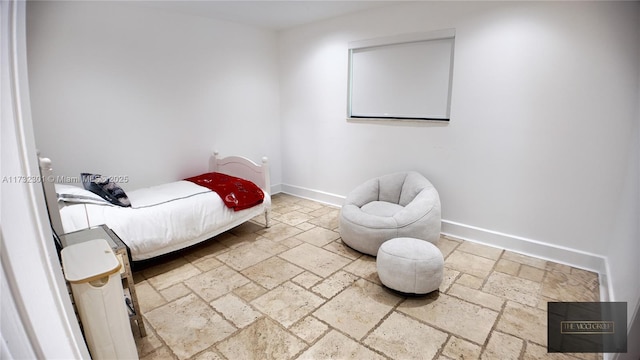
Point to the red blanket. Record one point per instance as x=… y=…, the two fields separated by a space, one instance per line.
x=237 y=193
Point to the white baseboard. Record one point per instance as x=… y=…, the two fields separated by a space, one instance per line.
x=525 y=246
x=559 y=254
x=320 y=196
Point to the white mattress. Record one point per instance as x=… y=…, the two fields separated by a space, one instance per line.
x=162 y=218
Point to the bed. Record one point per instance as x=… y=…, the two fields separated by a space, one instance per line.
x=163 y=218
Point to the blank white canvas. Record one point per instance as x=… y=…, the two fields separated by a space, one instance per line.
x=408 y=80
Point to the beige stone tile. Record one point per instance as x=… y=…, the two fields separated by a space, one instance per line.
x=334 y=284
x=137 y=276
x=232 y=241
x=451 y=314
x=249 y=291
x=290 y=242
x=535 y=352
x=589 y=278
x=469 y=263
x=489 y=252
x=188 y=325
x=311 y=204
x=209 y=355
x=318 y=236
x=293 y=218
x=401 y=337
x=287 y=303
x=271 y=272
x=149 y=343
x=448 y=278
x=233 y=296
x=305 y=226
x=329 y=220
x=216 y=282
x=358 y=308
x=564 y=287
x=148 y=297
x=260 y=220
x=206 y=264
x=460 y=349
x=508 y=267
x=526 y=322
x=334 y=345
x=502 y=346
x=285 y=207
x=524 y=259
x=306 y=279
x=305 y=210
x=341 y=248
x=167 y=274
x=470 y=281
x=531 y=273
x=284 y=200
x=365 y=267
x=447 y=245
x=246 y=228
x=235 y=310
x=323 y=210
x=242 y=257
x=205 y=250
x=309 y=329
x=319 y=261
x=552 y=266
x=513 y=288
x=543 y=302
x=173 y=292
x=263 y=340
x=476 y=297
x=279 y=232
x=159 y=354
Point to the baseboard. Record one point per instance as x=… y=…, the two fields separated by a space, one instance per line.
x=275 y=189
x=320 y=196
x=530 y=247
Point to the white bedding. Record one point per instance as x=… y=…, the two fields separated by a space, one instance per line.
x=162 y=218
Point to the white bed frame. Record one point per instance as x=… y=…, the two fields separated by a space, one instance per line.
x=232 y=165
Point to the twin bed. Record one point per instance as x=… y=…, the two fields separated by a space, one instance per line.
x=162 y=218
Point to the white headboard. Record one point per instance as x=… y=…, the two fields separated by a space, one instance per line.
x=50 y=197
x=242 y=167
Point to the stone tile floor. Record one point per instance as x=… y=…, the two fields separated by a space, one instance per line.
x=295 y=291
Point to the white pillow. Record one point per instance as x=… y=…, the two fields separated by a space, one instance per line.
x=75 y=194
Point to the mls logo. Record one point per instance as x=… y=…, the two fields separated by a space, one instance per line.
x=587 y=327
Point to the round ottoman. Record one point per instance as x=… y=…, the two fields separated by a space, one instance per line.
x=410 y=265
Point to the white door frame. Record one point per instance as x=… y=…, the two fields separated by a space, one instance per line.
x=38 y=320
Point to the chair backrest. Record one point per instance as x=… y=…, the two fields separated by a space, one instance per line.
x=401 y=188
x=414 y=183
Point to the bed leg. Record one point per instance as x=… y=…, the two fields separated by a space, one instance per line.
x=267 y=217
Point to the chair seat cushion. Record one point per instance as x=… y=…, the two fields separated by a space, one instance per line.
x=381 y=208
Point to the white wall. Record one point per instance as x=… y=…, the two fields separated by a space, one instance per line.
x=543 y=121
x=540 y=156
x=121 y=89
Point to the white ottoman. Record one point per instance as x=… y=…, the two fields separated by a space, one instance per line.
x=410 y=265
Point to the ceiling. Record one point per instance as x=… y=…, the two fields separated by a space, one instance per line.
x=276 y=15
